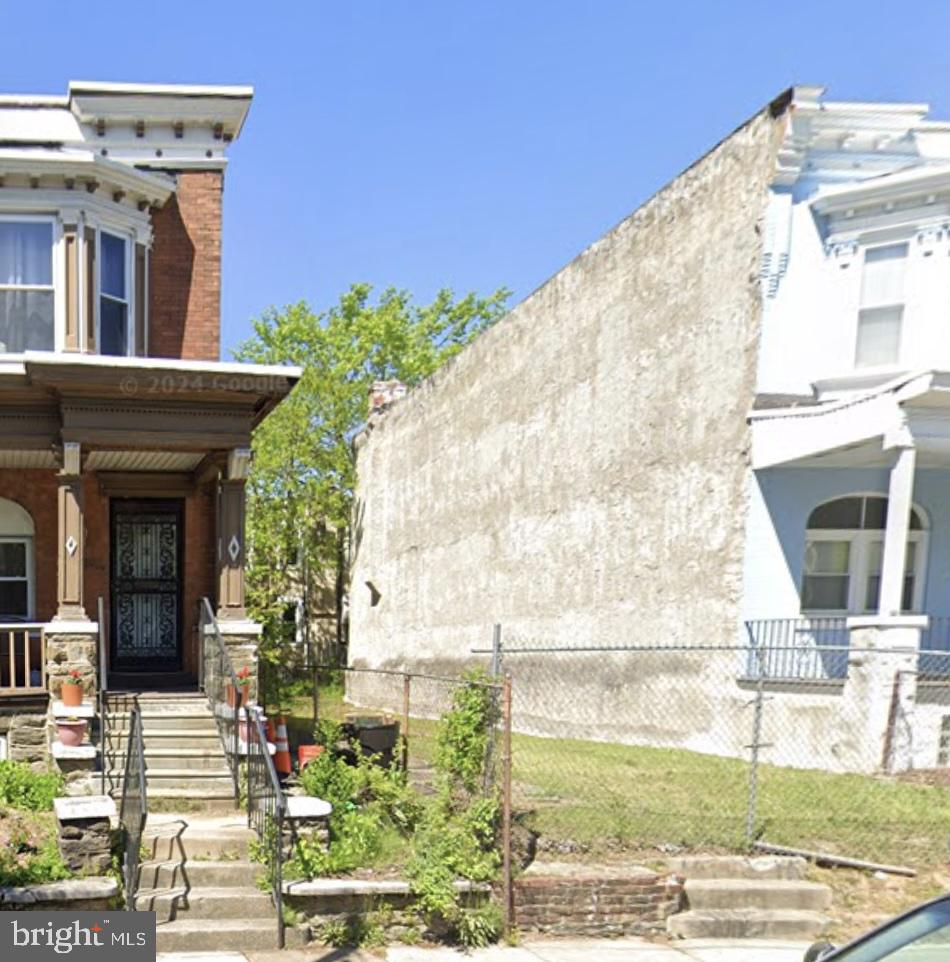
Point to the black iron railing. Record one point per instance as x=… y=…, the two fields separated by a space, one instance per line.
x=133 y=812
x=104 y=748
x=220 y=683
x=797 y=649
x=934 y=659
x=266 y=810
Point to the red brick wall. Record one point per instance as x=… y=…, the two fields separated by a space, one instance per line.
x=613 y=901
x=35 y=490
x=185 y=270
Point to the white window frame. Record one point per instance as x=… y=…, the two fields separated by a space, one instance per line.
x=129 y=241
x=860 y=540
x=864 y=249
x=56 y=287
x=26 y=540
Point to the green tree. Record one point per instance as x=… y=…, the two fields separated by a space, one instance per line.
x=300 y=494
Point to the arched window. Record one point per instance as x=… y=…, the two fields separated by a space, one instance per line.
x=844 y=549
x=16 y=562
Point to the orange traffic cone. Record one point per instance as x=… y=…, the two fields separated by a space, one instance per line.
x=271 y=734
x=282 y=760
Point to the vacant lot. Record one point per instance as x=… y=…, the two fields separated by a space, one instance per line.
x=590 y=797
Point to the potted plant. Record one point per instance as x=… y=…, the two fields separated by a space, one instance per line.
x=71 y=690
x=71 y=731
x=237 y=694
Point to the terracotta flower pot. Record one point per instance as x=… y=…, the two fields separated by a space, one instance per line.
x=71 y=733
x=307 y=753
x=71 y=693
x=233 y=695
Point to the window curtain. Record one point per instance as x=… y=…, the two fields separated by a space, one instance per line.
x=26 y=260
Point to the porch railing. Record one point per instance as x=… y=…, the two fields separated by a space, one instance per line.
x=22 y=657
x=797 y=649
x=104 y=747
x=220 y=683
x=133 y=811
x=266 y=809
x=934 y=659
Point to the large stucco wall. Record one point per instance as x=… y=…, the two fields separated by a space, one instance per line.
x=579 y=474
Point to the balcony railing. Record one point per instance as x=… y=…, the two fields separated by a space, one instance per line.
x=22 y=658
x=934 y=660
x=797 y=649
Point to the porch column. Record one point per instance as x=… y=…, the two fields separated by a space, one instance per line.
x=900 y=497
x=70 y=546
x=231 y=503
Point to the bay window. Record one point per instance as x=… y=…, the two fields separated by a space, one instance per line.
x=26 y=285
x=113 y=295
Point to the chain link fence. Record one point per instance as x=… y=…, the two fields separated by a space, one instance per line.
x=660 y=750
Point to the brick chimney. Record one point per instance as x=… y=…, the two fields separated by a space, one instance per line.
x=384 y=393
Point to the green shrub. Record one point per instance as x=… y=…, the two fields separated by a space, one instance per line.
x=28 y=850
x=25 y=789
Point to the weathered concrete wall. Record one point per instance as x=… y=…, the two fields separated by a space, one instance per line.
x=579 y=473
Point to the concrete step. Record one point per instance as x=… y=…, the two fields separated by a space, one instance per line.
x=222 y=935
x=196 y=875
x=206 y=903
x=192 y=759
x=188 y=837
x=168 y=738
x=196 y=778
x=757 y=894
x=208 y=802
x=738 y=866
x=187 y=719
x=789 y=924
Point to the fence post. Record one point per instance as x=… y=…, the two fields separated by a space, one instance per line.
x=406 y=689
x=496 y=664
x=753 y=801
x=508 y=908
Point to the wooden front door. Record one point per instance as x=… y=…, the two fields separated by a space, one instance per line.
x=146 y=585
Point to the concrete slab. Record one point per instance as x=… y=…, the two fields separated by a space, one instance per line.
x=579 y=950
x=751 y=950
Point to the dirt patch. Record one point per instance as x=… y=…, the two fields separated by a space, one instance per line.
x=863 y=900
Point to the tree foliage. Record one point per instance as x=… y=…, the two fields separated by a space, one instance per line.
x=300 y=495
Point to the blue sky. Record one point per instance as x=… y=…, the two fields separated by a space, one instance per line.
x=429 y=143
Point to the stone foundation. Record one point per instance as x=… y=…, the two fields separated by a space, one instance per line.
x=85 y=833
x=567 y=899
x=80 y=895
x=242 y=639
x=26 y=731
x=68 y=650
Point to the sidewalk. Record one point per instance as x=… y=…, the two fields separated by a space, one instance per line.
x=580 y=950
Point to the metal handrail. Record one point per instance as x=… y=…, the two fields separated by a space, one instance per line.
x=133 y=812
x=103 y=689
x=217 y=672
x=266 y=809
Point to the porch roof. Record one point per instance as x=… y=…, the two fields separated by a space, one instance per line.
x=111 y=404
x=912 y=410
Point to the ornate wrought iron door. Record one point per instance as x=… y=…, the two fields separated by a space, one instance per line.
x=146 y=585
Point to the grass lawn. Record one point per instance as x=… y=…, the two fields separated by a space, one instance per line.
x=592 y=797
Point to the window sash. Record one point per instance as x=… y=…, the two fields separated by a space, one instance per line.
x=863 y=581
x=25 y=579
x=125 y=301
